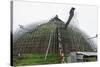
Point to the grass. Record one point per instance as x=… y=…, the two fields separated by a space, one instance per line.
x=35 y=59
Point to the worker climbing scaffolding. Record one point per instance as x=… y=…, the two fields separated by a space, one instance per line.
x=61 y=48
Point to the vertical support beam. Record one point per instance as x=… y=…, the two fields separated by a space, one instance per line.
x=48 y=46
x=61 y=52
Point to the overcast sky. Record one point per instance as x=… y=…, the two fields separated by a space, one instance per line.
x=33 y=12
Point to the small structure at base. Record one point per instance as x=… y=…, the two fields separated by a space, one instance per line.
x=82 y=57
